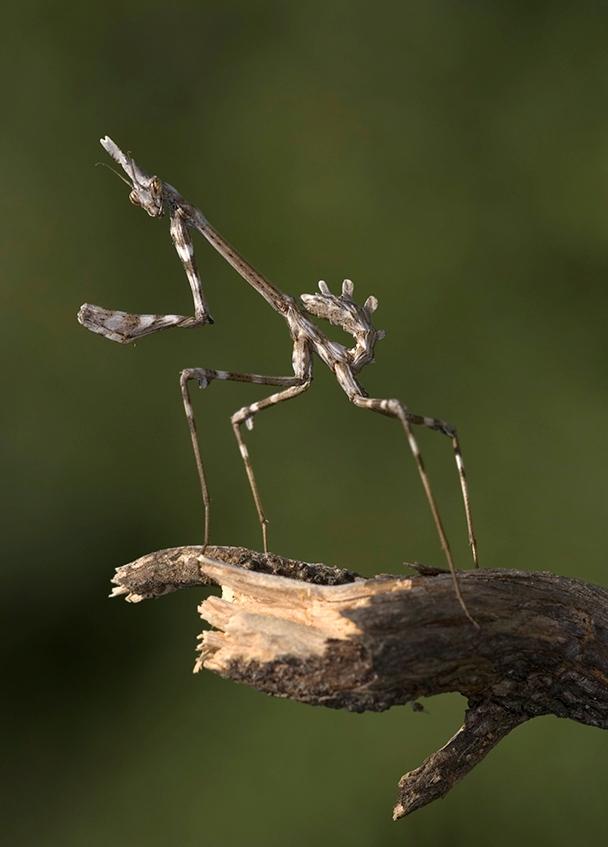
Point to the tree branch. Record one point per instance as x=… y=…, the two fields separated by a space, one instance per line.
x=325 y=636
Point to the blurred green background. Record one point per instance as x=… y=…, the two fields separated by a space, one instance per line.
x=452 y=159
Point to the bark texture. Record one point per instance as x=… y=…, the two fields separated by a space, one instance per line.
x=325 y=636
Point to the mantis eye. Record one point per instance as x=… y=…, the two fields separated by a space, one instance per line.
x=134 y=199
x=156 y=184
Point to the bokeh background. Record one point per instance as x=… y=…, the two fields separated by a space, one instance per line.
x=452 y=159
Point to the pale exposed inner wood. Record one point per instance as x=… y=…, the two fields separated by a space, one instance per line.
x=262 y=617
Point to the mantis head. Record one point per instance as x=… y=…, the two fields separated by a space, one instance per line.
x=146 y=191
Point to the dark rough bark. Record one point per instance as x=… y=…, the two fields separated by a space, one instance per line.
x=485 y=724
x=324 y=636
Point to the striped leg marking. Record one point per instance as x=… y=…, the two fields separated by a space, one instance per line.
x=396 y=409
x=246 y=415
x=125 y=327
x=185 y=250
x=204 y=376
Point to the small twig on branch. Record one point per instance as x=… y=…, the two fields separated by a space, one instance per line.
x=325 y=636
x=484 y=726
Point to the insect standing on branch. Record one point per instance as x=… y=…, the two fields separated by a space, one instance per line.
x=159 y=198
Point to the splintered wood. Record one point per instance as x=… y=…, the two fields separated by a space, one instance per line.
x=263 y=618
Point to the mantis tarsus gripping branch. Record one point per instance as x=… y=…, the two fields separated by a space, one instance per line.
x=159 y=198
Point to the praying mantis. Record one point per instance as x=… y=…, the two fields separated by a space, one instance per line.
x=158 y=199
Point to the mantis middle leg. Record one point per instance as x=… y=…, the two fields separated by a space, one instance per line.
x=204 y=377
x=245 y=415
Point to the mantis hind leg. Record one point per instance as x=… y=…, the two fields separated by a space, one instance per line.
x=396 y=409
